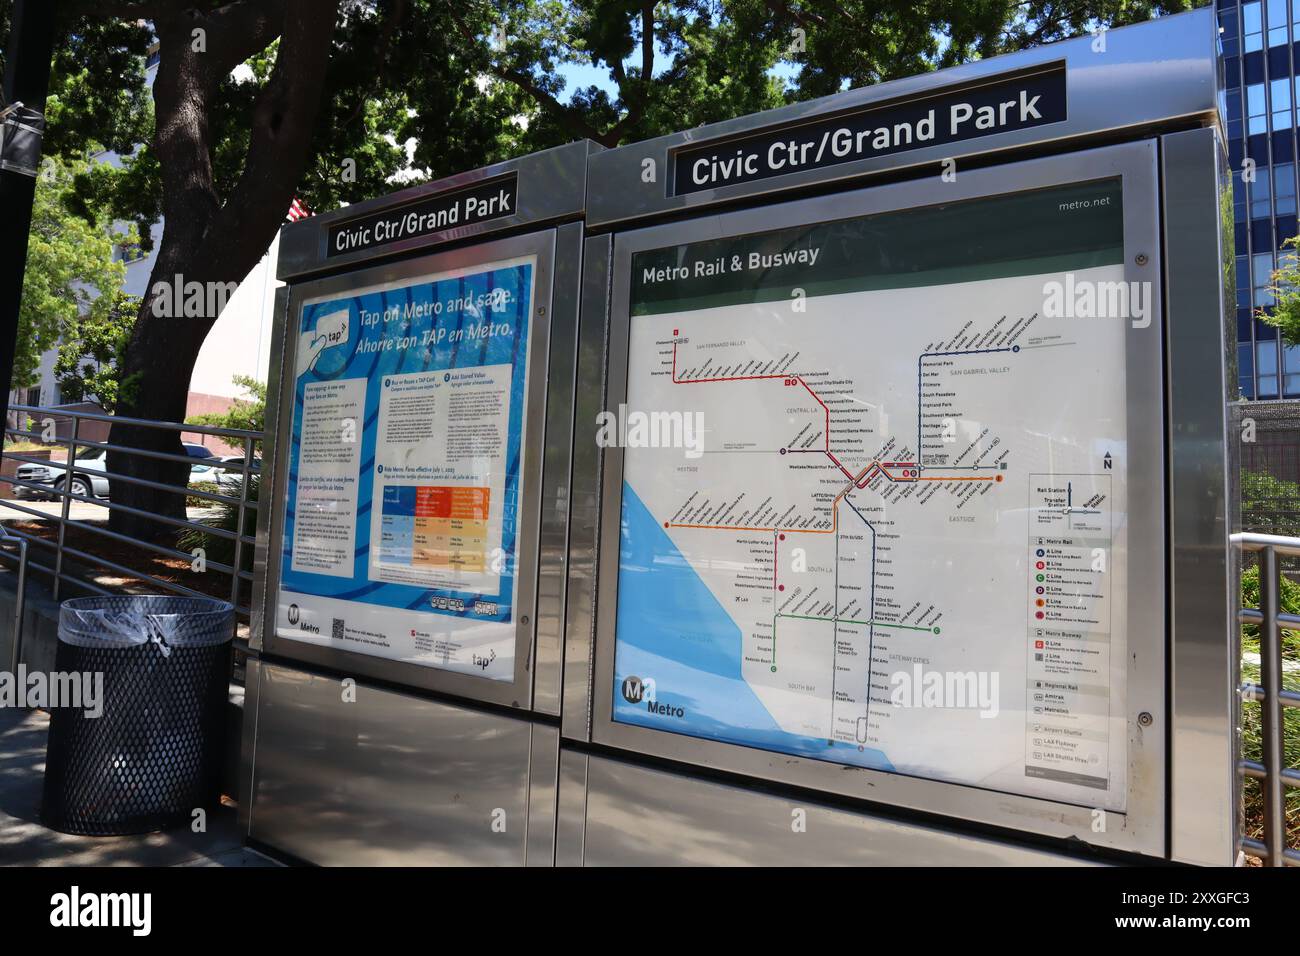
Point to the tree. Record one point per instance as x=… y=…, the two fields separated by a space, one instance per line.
x=674 y=65
x=228 y=152
x=324 y=82
x=71 y=282
x=1284 y=313
x=246 y=414
x=88 y=366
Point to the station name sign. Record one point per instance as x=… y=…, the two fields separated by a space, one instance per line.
x=490 y=199
x=1018 y=102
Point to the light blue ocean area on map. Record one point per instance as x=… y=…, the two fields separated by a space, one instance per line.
x=672 y=630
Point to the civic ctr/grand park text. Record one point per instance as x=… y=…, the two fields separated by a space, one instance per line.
x=843 y=142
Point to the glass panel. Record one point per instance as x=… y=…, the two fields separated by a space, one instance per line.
x=1256 y=108
x=1262 y=273
x=1291 y=359
x=1252 y=27
x=1259 y=196
x=1280 y=93
x=1266 y=353
x=1284 y=189
x=1245 y=369
x=1233 y=108
x=1277 y=23
x=791 y=630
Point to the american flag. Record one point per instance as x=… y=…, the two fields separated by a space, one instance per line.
x=297 y=210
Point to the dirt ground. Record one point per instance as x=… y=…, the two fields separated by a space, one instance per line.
x=165 y=568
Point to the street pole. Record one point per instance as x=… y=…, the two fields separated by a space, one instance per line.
x=26 y=81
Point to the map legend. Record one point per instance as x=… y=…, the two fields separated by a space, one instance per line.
x=1067 y=711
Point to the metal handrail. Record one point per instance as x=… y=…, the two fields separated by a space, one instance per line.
x=213 y=430
x=141 y=452
x=61 y=488
x=1272 y=773
x=113 y=506
x=130 y=479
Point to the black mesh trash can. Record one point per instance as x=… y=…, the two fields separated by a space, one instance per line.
x=154 y=754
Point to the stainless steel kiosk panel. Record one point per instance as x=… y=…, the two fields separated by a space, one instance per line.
x=885 y=503
x=631 y=815
x=912 y=475
x=389 y=780
x=423 y=403
x=408 y=540
x=1061 y=96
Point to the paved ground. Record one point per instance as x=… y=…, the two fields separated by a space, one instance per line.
x=24 y=842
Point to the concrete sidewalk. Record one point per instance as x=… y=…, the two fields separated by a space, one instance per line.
x=24 y=842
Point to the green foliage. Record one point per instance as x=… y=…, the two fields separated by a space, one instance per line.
x=1290 y=601
x=435 y=76
x=247 y=414
x=194 y=501
x=226 y=518
x=714 y=59
x=416 y=89
x=1269 y=505
x=1285 y=311
x=69 y=263
x=90 y=352
x=1251 y=727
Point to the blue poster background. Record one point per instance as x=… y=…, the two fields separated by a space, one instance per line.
x=350 y=360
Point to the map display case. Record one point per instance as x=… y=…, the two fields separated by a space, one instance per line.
x=408 y=628
x=912 y=468
x=921 y=495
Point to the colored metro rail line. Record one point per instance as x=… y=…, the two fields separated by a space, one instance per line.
x=911 y=472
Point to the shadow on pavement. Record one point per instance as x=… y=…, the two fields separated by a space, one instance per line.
x=24 y=842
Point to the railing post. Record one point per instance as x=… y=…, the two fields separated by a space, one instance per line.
x=1270 y=669
x=239 y=526
x=67 y=502
x=20 y=596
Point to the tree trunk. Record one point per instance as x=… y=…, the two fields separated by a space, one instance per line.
x=156 y=384
x=209 y=239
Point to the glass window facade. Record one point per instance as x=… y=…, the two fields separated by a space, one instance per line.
x=1260 y=45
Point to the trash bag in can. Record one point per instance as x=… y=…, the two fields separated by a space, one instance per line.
x=154 y=753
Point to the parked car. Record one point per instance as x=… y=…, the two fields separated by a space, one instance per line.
x=226 y=471
x=39 y=474
x=88 y=478
x=233 y=474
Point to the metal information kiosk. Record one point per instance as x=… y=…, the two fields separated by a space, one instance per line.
x=906 y=539
x=411 y=564
x=874 y=509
